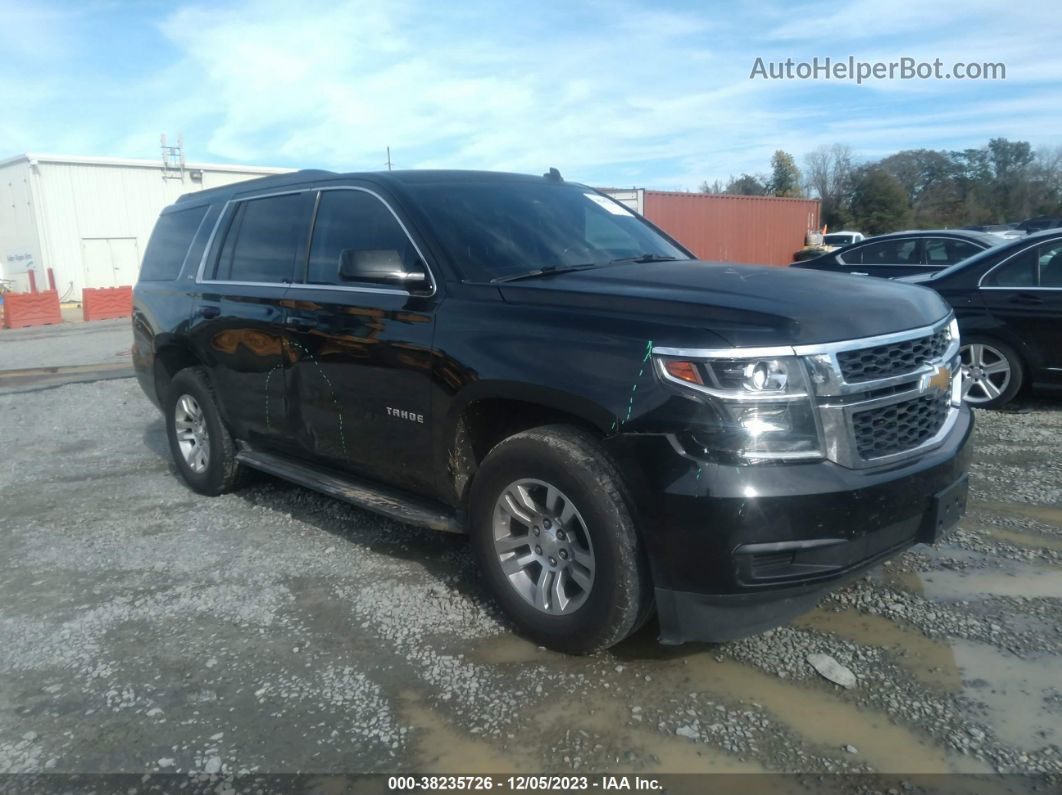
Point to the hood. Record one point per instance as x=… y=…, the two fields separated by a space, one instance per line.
x=746 y=305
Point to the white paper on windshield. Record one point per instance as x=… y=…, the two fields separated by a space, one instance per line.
x=613 y=207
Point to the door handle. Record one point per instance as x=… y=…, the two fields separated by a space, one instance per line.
x=209 y=311
x=301 y=323
x=1027 y=298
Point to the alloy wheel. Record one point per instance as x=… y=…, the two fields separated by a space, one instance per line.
x=542 y=543
x=193 y=439
x=985 y=373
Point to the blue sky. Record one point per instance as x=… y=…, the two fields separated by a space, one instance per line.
x=613 y=93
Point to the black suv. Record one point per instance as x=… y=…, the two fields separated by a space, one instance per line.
x=621 y=428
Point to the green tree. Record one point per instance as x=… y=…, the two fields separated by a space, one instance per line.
x=746 y=185
x=785 y=176
x=973 y=184
x=1011 y=161
x=878 y=202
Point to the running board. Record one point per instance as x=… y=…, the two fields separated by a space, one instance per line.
x=391 y=503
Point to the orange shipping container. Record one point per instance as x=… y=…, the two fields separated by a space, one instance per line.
x=757 y=230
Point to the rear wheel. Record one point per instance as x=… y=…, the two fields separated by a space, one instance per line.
x=991 y=373
x=556 y=541
x=201 y=445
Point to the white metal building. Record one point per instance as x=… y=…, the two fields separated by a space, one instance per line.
x=89 y=218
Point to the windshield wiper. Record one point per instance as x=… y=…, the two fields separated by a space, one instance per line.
x=548 y=270
x=647 y=258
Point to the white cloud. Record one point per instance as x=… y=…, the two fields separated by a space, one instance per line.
x=606 y=91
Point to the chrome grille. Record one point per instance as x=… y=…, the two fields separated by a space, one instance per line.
x=884 y=361
x=899 y=427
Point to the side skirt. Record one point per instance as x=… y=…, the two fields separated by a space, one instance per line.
x=392 y=503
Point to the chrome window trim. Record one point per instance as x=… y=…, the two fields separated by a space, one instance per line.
x=225 y=210
x=1018 y=253
x=1023 y=289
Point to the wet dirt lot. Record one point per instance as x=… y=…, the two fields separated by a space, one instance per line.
x=145 y=628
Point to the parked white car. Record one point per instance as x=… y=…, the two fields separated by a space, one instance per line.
x=838 y=239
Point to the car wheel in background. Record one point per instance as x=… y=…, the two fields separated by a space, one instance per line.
x=554 y=533
x=991 y=372
x=201 y=445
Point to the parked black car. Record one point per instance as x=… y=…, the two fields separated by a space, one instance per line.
x=903 y=253
x=1008 y=301
x=1039 y=224
x=622 y=429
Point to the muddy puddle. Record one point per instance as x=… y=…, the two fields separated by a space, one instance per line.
x=818 y=719
x=1047 y=514
x=824 y=719
x=442 y=747
x=1010 y=693
x=1007 y=579
x=1029 y=581
x=1026 y=540
x=931 y=662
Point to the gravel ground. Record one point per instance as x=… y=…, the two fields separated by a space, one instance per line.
x=145 y=628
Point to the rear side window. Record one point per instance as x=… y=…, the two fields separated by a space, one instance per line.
x=265 y=239
x=946 y=251
x=353 y=220
x=891 y=252
x=169 y=244
x=1019 y=272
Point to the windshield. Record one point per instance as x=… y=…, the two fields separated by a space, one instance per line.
x=837 y=239
x=497 y=229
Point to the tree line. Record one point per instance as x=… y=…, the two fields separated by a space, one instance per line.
x=1002 y=182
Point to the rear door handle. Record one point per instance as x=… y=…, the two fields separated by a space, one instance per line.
x=209 y=311
x=301 y=323
x=1027 y=298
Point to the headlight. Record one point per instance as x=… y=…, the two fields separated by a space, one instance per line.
x=953 y=330
x=755 y=409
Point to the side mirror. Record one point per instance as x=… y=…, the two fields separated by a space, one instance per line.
x=382 y=266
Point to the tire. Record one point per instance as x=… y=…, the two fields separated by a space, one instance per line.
x=204 y=451
x=563 y=484
x=992 y=372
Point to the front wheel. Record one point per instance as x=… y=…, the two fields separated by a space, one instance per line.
x=991 y=373
x=553 y=531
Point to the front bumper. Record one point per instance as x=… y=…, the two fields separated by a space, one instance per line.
x=738 y=549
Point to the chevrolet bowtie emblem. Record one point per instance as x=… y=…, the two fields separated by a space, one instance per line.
x=939 y=379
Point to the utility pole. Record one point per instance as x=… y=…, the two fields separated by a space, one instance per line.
x=388 y=158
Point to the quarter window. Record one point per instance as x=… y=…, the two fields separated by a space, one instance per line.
x=1019 y=272
x=169 y=244
x=265 y=239
x=353 y=220
x=1051 y=264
